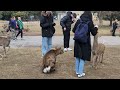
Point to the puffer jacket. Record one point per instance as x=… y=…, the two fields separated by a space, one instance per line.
x=47 y=26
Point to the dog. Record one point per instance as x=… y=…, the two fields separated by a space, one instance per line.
x=49 y=59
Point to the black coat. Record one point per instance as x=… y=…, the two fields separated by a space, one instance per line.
x=115 y=25
x=83 y=51
x=47 y=25
x=66 y=21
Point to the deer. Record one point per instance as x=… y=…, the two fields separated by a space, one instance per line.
x=98 y=50
x=5 y=28
x=5 y=42
x=49 y=59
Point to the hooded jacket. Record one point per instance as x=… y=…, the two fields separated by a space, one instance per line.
x=47 y=26
x=66 y=21
x=83 y=51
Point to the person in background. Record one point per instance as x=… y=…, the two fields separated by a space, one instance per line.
x=66 y=23
x=82 y=51
x=12 y=27
x=114 y=27
x=20 y=28
x=47 y=27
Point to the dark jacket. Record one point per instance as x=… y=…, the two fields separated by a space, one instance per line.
x=12 y=24
x=66 y=21
x=83 y=51
x=47 y=25
x=115 y=25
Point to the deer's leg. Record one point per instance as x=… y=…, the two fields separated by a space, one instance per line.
x=101 y=58
x=4 y=51
x=97 y=61
x=1 y=56
x=8 y=48
x=52 y=65
x=94 y=60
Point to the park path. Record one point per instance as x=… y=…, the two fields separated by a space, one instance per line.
x=35 y=41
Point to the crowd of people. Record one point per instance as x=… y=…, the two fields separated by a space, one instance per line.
x=82 y=51
x=14 y=26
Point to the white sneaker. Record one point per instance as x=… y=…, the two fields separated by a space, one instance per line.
x=65 y=49
x=81 y=75
x=69 y=49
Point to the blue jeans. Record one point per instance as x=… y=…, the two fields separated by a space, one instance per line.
x=79 y=65
x=46 y=44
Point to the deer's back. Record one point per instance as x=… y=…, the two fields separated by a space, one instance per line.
x=49 y=57
x=100 y=48
x=4 y=41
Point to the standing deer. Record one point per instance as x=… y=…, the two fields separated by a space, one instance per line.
x=5 y=42
x=97 y=52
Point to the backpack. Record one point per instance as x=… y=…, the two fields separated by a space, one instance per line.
x=81 y=32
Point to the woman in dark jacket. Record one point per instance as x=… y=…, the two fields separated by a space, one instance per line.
x=82 y=52
x=48 y=30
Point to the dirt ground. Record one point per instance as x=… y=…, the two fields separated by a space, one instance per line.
x=24 y=63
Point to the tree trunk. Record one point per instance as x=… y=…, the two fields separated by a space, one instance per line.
x=100 y=22
x=100 y=18
x=111 y=21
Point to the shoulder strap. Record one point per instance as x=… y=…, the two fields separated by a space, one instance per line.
x=88 y=22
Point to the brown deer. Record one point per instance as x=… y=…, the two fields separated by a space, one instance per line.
x=5 y=28
x=97 y=52
x=49 y=60
x=5 y=42
x=26 y=29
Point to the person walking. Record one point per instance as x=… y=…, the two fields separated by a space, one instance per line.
x=20 y=28
x=114 y=27
x=12 y=27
